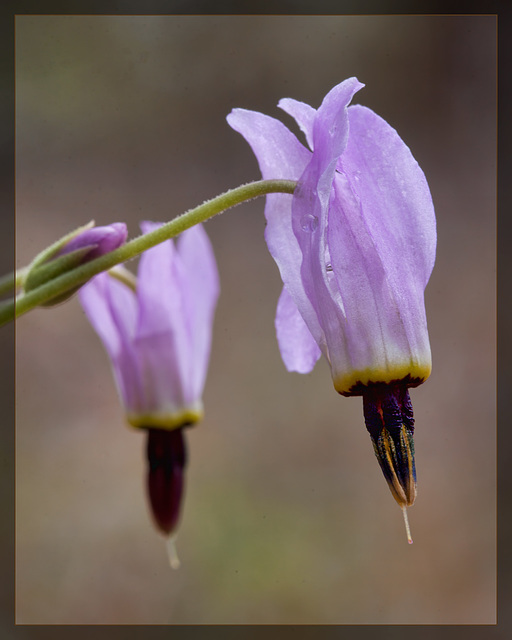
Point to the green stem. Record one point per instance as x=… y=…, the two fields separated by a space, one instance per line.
x=76 y=277
x=123 y=275
x=12 y=281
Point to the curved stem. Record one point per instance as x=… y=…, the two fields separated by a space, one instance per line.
x=76 y=277
x=123 y=275
x=13 y=280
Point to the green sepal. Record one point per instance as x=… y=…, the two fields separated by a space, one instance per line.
x=56 y=267
x=44 y=267
x=47 y=254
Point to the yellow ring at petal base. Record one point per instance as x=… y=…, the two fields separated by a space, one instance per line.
x=167 y=421
x=352 y=384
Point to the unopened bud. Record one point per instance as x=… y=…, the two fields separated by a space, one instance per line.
x=76 y=248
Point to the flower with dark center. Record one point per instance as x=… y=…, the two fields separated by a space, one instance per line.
x=158 y=338
x=355 y=247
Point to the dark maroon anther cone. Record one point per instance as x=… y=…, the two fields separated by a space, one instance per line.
x=390 y=423
x=167 y=458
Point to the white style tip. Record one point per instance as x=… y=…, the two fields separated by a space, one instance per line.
x=406 y=520
x=174 y=561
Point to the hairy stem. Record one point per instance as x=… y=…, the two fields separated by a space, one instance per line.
x=76 y=277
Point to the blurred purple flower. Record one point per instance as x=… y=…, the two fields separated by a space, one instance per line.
x=158 y=339
x=355 y=246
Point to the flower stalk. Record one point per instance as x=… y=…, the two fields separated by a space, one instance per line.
x=25 y=302
x=13 y=281
x=121 y=273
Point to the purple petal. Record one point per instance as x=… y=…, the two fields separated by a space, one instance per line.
x=178 y=290
x=280 y=155
x=364 y=230
x=310 y=209
x=99 y=297
x=163 y=336
x=303 y=114
x=111 y=308
x=299 y=349
x=381 y=238
x=397 y=201
x=330 y=135
x=200 y=293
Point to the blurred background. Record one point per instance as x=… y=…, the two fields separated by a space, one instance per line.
x=287 y=517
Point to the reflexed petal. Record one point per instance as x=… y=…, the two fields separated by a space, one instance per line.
x=330 y=136
x=303 y=114
x=163 y=337
x=98 y=297
x=299 y=349
x=280 y=155
x=112 y=310
x=310 y=215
